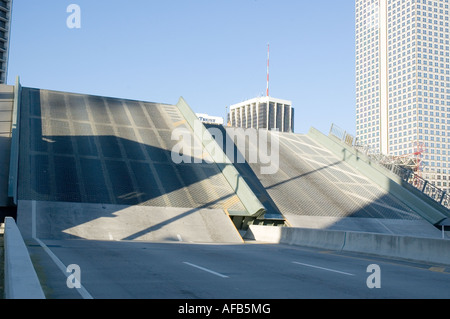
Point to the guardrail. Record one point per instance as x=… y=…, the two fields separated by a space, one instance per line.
x=21 y=280
x=432 y=191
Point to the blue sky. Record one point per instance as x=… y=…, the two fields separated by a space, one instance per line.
x=211 y=52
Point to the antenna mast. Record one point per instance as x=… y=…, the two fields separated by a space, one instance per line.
x=268 y=64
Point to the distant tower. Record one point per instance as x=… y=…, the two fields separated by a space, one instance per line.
x=403 y=82
x=263 y=112
x=5 y=28
x=268 y=64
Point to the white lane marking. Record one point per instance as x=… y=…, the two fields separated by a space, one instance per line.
x=327 y=269
x=82 y=291
x=205 y=269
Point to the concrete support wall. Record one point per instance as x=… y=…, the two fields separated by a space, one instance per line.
x=63 y=220
x=403 y=247
x=6 y=113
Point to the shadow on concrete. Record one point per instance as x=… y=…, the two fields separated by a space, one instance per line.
x=5 y=152
x=108 y=169
x=9 y=211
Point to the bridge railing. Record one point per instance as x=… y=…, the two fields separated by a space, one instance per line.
x=407 y=175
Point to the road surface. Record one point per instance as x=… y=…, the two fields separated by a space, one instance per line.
x=171 y=270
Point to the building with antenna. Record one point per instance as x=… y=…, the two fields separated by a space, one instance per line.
x=263 y=112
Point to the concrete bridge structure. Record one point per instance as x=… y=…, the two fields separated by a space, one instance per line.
x=90 y=180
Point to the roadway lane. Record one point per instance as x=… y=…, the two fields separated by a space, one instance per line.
x=141 y=270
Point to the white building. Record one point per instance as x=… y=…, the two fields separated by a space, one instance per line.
x=5 y=27
x=208 y=119
x=263 y=113
x=403 y=81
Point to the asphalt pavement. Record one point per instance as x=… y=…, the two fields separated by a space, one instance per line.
x=180 y=270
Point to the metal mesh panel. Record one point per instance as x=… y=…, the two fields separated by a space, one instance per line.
x=92 y=149
x=313 y=182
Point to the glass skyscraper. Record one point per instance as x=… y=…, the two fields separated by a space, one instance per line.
x=403 y=82
x=5 y=27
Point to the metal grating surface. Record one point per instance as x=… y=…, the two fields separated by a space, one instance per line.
x=81 y=148
x=311 y=181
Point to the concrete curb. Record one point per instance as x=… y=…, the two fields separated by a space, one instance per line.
x=21 y=280
x=428 y=250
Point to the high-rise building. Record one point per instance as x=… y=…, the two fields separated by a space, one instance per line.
x=403 y=82
x=263 y=113
x=5 y=28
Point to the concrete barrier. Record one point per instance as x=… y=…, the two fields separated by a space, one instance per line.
x=427 y=250
x=21 y=281
x=295 y=236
